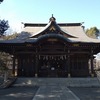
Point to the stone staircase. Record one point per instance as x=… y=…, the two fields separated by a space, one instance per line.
x=69 y=82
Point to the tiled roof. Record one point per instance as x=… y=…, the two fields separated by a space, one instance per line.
x=76 y=31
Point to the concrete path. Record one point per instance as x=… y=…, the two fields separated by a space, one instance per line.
x=54 y=93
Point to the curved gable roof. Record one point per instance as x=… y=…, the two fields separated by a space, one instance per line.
x=52 y=27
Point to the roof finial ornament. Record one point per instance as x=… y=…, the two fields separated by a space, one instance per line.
x=52 y=18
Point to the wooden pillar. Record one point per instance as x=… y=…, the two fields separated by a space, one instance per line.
x=36 y=63
x=65 y=64
x=69 y=74
x=91 y=60
x=13 y=67
x=19 y=69
x=36 y=66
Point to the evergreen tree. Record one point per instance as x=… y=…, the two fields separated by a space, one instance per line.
x=93 y=32
x=1 y=1
x=3 y=26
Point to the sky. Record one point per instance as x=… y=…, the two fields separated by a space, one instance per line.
x=39 y=11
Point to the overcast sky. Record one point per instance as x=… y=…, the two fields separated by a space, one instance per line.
x=39 y=11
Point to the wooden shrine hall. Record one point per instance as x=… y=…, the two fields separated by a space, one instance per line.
x=52 y=50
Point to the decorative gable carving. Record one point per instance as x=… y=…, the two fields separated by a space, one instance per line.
x=52 y=28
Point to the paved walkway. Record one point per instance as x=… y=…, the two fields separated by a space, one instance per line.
x=54 y=93
x=56 y=88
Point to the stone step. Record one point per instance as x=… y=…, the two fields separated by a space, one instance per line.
x=73 y=82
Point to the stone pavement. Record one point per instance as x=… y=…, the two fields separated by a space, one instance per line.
x=18 y=93
x=57 y=88
x=54 y=93
x=52 y=89
x=86 y=93
x=68 y=82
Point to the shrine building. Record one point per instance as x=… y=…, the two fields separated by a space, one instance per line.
x=52 y=50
